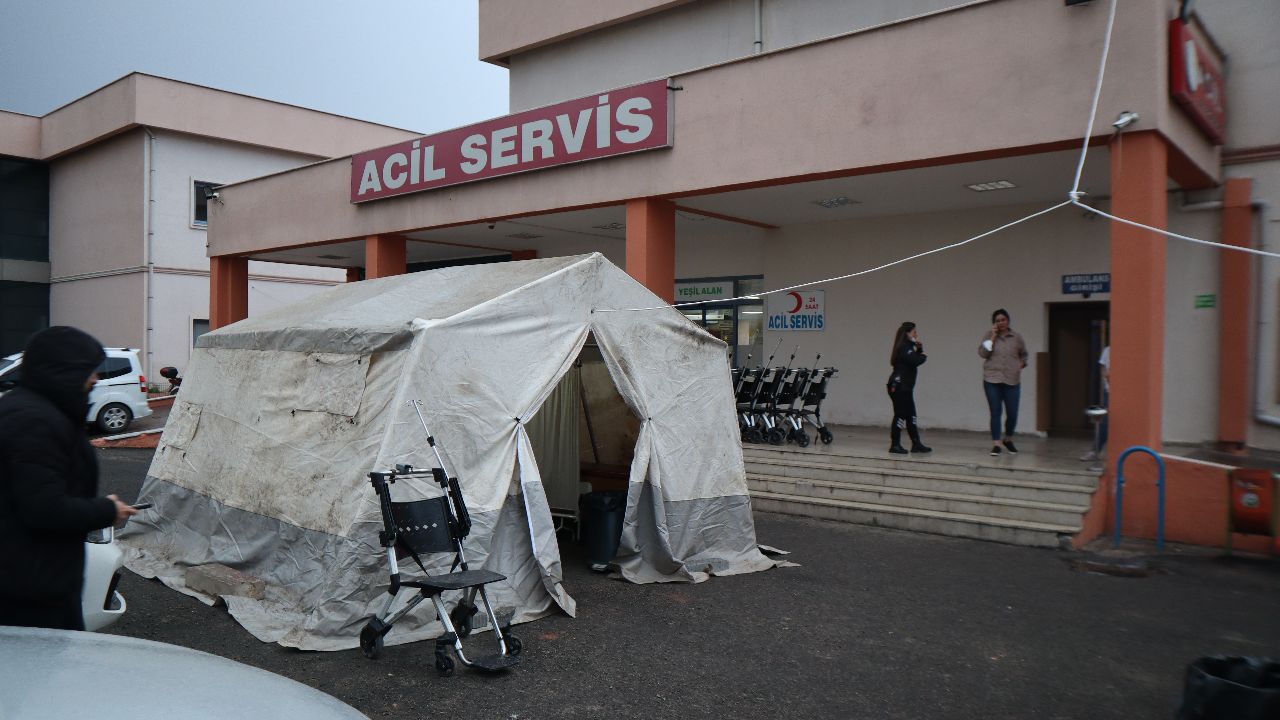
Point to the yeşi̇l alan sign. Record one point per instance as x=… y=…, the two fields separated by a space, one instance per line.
x=691 y=291
x=798 y=310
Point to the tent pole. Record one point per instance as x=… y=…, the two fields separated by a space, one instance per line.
x=586 y=413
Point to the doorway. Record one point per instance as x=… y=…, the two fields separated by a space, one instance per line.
x=1078 y=331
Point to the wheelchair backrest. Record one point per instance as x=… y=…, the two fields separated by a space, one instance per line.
x=424 y=526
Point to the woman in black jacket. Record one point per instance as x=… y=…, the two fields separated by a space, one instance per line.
x=907 y=355
x=49 y=482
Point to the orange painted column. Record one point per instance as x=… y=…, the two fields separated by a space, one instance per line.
x=384 y=255
x=1139 y=167
x=1234 y=290
x=353 y=274
x=228 y=290
x=651 y=245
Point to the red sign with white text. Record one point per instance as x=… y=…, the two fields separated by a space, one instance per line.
x=618 y=122
x=1196 y=81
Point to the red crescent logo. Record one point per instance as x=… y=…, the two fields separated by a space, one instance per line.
x=799 y=301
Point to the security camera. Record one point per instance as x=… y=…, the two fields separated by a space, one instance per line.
x=492 y=225
x=1124 y=120
x=213 y=196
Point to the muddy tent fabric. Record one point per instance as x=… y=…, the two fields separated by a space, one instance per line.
x=263 y=464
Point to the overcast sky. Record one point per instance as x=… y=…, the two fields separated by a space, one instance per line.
x=407 y=63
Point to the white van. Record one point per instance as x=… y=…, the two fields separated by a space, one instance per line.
x=119 y=396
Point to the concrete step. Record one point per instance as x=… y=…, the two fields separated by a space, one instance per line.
x=1040 y=511
x=1016 y=532
x=1005 y=467
x=908 y=479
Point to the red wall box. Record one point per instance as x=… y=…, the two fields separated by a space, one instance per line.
x=1252 y=498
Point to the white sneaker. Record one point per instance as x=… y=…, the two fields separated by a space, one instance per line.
x=1089 y=456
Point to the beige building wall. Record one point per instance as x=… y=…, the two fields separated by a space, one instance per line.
x=98 y=227
x=1265 y=433
x=688 y=36
x=109 y=308
x=730 y=250
x=780 y=116
x=19 y=135
x=1247 y=30
x=1190 y=333
x=96 y=223
x=949 y=295
x=180 y=160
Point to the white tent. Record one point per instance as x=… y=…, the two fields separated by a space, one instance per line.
x=263 y=464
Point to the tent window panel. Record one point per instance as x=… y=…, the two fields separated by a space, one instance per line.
x=334 y=383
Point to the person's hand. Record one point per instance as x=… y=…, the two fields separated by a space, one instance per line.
x=995 y=331
x=123 y=511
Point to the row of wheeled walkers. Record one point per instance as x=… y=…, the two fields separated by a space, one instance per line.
x=775 y=404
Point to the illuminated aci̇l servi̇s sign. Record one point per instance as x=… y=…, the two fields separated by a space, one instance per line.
x=618 y=122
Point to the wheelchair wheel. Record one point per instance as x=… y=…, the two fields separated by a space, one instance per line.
x=514 y=646
x=777 y=436
x=752 y=435
x=444 y=665
x=801 y=438
x=371 y=638
x=826 y=436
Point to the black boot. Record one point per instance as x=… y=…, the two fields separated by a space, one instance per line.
x=895 y=440
x=916 y=445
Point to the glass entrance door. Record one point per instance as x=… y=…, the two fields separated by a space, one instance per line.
x=738 y=320
x=741 y=327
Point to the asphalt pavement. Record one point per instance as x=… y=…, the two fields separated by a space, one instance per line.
x=873 y=624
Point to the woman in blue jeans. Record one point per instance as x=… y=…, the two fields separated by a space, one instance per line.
x=1004 y=354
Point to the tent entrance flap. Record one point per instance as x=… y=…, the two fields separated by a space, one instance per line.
x=553 y=433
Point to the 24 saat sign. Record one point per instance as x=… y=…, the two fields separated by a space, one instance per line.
x=798 y=310
x=618 y=122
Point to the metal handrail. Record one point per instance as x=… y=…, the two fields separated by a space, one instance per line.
x=1159 y=490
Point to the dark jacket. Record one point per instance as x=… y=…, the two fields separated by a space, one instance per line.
x=48 y=472
x=906 y=359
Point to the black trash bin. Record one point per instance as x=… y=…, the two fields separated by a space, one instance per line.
x=1238 y=688
x=600 y=519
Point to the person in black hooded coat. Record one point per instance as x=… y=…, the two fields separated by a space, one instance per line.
x=906 y=357
x=49 y=482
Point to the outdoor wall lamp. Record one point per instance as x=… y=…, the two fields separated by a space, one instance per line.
x=1124 y=120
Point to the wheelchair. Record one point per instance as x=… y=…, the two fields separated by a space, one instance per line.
x=436 y=525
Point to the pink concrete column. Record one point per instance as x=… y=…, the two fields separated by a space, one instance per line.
x=651 y=245
x=1234 y=289
x=228 y=290
x=384 y=255
x=1139 y=167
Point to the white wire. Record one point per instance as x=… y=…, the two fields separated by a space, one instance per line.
x=1093 y=109
x=899 y=261
x=1176 y=236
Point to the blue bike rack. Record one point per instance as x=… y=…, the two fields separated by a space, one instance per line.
x=1159 y=491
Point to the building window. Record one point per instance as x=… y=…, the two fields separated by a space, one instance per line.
x=201 y=190
x=198 y=328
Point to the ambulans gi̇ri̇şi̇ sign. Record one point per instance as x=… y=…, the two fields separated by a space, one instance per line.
x=797 y=310
x=618 y=122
